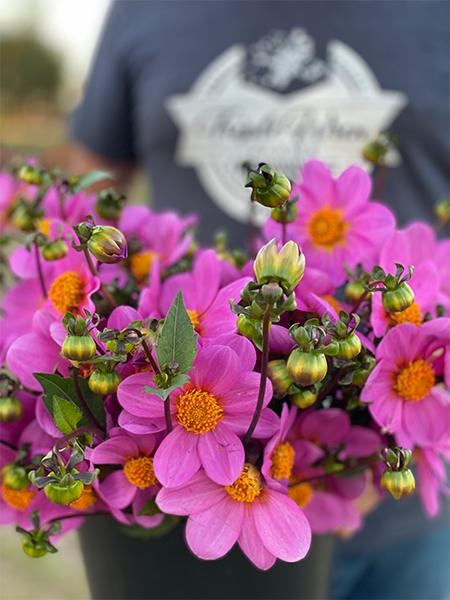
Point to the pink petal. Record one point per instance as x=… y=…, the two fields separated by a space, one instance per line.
x=242 y=396
x=324 y=512
x=212 y=533
x=193 y=496
x=266 y=427
x=426 y=420
x=137 y=402
x=115 y=451
x=353 y=190
x=140 y=425
x=117 y=490
x=216 y=370
x=176 y=460
x=328 y=426
x=281 y=526
x=251 y=544
x=222 y=454
x=360 y=441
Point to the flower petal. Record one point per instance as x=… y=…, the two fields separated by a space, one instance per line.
x=251 y=544
x=176 y=460
x=193 y=496
x=221 y=454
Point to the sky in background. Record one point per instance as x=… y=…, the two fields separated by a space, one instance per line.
x=71 y=27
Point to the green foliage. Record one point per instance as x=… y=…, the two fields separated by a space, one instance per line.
x=64 y=389
x=176 y=382
x=178 y=341
x=66 y=415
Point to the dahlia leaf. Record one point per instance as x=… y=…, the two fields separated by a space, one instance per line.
x=66 y=414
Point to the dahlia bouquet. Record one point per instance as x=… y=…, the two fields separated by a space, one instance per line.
x=256 y=399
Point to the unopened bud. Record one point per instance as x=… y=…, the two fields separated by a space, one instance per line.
x=269 y=187
x=398 y=483
x=11 y=409
x=443 y=211
x=286 y=266
x=108 y=244
x=55 y=251
x=278 y=375
x=399 y=299
x=30 y=175
x=109 y=205
x=306 y=368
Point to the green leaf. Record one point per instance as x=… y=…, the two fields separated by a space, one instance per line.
x=149 y=509
x=177 y=341
x=177 y=382
x=55 y=385
x=89 y=179
x=66 y=415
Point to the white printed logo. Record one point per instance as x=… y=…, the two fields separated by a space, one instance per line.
x=226 y=120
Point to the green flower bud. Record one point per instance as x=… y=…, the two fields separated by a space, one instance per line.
x=109 y=205
x=285 y=214
x=63 y=493
x=33 y=548
x=374 y=151
x=354 y=290
x=246 y=325
x=399 y=299
x=104 y=383
x=108 y=244
x=398 y=483
x=84 y=231
x=11 y=409
x=55 y=251
x=78 y=347
x=15 y=477
x=349 y=347
x=303 y=397
x=22 y=218
x=305 y=368
x=30 y=175
x=286 y=266
x=269 y=187
x=361 y=375
x=278 y=375
x=443 y=211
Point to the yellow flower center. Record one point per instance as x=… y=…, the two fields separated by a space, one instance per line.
x=18 y=499
x=141 y=263
x=283 y=461
x=327 y=227
x=415 y=381
x=301 y=494
x=410 y=315
x=44 y=226
x=247 y=487
x=193 y=315
x=87 y=499
x=139 y=471
x=198 y=411
x=332 y=302
x=66 y=293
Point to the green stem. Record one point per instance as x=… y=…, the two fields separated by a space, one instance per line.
x=41 y=275
x=103 y=287
x=263 y=381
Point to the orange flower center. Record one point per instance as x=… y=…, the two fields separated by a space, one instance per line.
x=139 y=471
x=86 y=370
x=332 y=302
x=87 y=499
x=247 y=486
x=198 y=411
x=193 y=315
x=141 y=263
x=410 y=315
x=301 y=494
x=327 y=227
x=66 y=292
x=18 y=499
x=415 y=381
x=44 y=226
x=283 y=461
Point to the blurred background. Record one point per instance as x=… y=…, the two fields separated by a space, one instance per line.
x=45 y=50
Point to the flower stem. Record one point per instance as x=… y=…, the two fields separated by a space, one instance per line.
x=63 y=441
x=330 y=385
x=41 y=275
x=360 y=301
x=86 y=408
x=103 y=287
x=380 y=181
x=263 y=381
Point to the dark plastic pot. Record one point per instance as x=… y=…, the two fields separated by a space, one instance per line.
x=122 y=567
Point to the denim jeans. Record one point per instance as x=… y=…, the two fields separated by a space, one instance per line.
x=415 y=569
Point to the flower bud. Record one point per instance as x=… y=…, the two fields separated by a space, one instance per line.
x=30 y=175
x=398 y=483
x=107 y=244
x=11 y=409
x=78 y=347
x=64 y=493
x=443 y=211
x=399 y=299
x=278 y=375
x=286 y=266
x=306 y=368
x=33 y=548
x=104 y=383
x=109 y=205
x=361 y=375
x=55 y=251
x=269 y=187
x=354 y=290
x=246 y=325
x=287 y=213
x=15 y=477
x=374 y=151
x=349 y=347
x=22 y=218
x=303 y=397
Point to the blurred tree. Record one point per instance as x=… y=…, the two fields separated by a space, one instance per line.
x=28 y=69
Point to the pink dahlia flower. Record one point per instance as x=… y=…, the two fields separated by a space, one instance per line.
x=265 y=523
x=208 y=414
x=403 y=389
x=336 y=224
